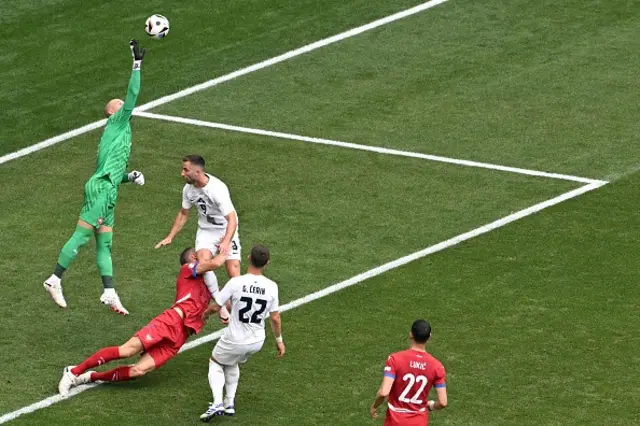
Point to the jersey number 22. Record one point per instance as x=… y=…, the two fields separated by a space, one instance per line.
x=411 y=381
x=256 y=318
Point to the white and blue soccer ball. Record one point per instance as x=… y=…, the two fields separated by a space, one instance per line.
x=157 y=26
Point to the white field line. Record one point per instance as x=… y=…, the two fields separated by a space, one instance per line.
x=344 y=284
x=258 y=66
x=377 y=149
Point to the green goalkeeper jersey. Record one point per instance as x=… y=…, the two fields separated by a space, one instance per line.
x=115 y=143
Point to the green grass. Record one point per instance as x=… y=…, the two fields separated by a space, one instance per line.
x=327 y=213
x=523 y=343
x=85 y=46
x=535 y=322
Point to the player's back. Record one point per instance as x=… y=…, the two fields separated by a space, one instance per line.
x=414 y=373
x=192 y=297
x=253 y=297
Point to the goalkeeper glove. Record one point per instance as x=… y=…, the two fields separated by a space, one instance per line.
x=136 y=177
x=137 y=52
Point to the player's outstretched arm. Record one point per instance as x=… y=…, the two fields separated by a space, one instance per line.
x=178 y=223
x=124 y=113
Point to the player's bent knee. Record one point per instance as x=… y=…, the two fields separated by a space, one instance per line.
x=132 y=347
x=204 y=254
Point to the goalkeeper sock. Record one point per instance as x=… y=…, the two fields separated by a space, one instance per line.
x=69 y=251
x=103 y=257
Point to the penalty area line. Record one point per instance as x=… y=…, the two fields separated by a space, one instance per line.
x=361 y=147
x=47 y=402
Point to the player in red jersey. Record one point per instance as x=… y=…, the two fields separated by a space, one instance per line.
x=161 y=339
x=408 y=378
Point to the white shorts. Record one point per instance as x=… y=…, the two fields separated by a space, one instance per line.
x=226 y=353
x=210 y=239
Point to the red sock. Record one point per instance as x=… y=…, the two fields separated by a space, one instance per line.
x=120 y=374
x=103 y=356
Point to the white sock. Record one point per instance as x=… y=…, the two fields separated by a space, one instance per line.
x=211 y=282
x=110 y=291
x=231 y=378
x=216 y=381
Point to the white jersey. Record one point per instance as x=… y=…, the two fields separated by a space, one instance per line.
x=252 y=297
x=213 y=202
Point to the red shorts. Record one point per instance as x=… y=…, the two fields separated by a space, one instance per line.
x=163 y=337
x=405 y=419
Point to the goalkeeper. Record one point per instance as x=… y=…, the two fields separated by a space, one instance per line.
x=101 y=192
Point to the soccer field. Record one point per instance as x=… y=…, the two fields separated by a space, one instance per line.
x=472 y=163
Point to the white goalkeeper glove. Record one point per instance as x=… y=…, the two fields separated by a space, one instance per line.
x=136 y=177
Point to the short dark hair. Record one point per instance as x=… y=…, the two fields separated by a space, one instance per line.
x=421 y=331
x=259 y=256
x=194 y=159
x=185 y=255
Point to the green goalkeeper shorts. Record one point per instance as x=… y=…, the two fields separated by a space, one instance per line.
x=99 y=202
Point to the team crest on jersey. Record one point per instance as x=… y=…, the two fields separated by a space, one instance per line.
x=100 y=221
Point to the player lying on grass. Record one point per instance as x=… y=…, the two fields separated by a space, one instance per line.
x=101 y=193
x=160 y=339
x=408 y=378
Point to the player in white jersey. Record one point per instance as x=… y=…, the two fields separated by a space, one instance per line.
x=252 y=297
x=217 y=220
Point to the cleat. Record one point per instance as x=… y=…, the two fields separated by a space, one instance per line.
x=54 y=286
x=212 y=411
x=84 y=378
x=229 y=411
x=111 y=299
x=67 y=381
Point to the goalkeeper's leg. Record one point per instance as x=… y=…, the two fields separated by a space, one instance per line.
x=104 y=242
x=69 y=251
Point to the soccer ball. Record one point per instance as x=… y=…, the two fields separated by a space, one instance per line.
x=157 y=26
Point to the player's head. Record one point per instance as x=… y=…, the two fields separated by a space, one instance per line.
x=112 y=107
x=420 y=331
x=259 y=256
x=188 y=255
x=192 y=168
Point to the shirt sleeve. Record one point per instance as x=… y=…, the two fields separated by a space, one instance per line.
x=186 y=202
x=124 y=113
x=275 y=303
x=222 y=198
x=223 y=295
x=440 y=379
x=390 y=368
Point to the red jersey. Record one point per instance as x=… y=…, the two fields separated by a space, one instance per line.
x=413 y=373
x=192 y=297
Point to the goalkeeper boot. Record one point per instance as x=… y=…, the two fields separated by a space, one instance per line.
x=110 y=298
x=53 y=285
